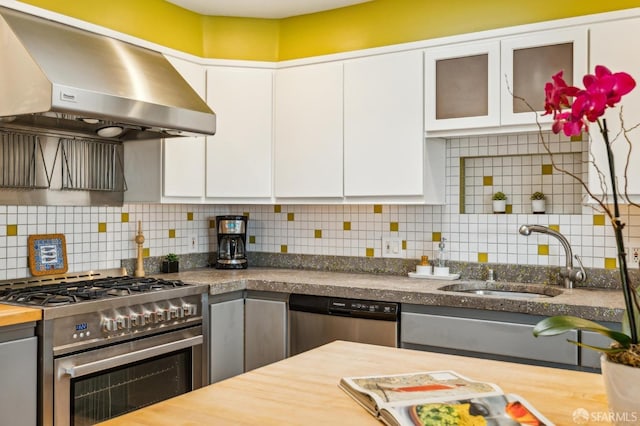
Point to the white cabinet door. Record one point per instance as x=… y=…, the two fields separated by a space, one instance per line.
x=183 y=157
x=308 y=128
x=238 y=156
x=383 y=125
x=616 y=45
x=462 y=86
x=528 y=62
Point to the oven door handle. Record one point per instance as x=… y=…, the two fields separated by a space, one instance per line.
x=128 y=358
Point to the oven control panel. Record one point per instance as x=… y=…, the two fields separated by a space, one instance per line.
x=124 y=321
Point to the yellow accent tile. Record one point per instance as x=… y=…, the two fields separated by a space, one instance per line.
x=576 y=138
x=404 y=244
x=543 y=250
x=290 y=217
x=124 y=217
x=277 y=208
x=346 y=226
x=598 y=220
x=393 y=227
x=610 y=263
x=436 y=236
x=172 y=233
x=283 y=248
x=245 y=214
x=487 y=180
x=546 y=169
x=189 y=215
x=483 y=257
x=252 y=239
x=317 y=233
x=12 y=230
x=102 y=227
x=377 y=208
x=212 y=224
x=369 y=252
x=555 y=227
x=145 y=252
x=508 y=209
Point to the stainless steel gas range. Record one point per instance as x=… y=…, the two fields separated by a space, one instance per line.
x=109 y=344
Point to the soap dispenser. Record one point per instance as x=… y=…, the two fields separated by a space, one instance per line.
x=441 y=267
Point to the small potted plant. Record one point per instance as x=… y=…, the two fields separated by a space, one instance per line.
x=538 y=203
x=171 y=263
x=499 y=202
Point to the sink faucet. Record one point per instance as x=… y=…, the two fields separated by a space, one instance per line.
x=569 y=274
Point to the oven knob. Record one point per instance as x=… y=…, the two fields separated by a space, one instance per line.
x=160 y=315
x=146 y=318
x=123 y=322
x=189 y=310
x=173 y=313
x=135 y=320
x=110 y=324
x=180 y=312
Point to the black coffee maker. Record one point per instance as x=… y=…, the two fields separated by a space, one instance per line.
x=232 y=239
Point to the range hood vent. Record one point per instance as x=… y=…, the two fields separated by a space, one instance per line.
x=63 y=81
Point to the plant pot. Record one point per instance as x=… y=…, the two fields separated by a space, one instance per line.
x=499 y=206
x=168 y=267
x=622 y=385
x=538 y=206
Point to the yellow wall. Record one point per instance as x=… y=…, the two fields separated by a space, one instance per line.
x=372 y=24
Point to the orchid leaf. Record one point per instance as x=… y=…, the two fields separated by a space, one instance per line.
x=553 y=326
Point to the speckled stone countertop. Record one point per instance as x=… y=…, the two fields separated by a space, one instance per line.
x=594 y=304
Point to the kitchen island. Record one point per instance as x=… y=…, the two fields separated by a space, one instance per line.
x=303 y=389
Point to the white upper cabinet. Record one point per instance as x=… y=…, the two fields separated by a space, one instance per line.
x=462 y=86
x=308 y=128
x=238 y=156
x=384 y=125
x=529 y=61
x=616 y=45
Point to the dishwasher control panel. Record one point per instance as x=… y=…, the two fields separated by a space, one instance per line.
x=363 y=306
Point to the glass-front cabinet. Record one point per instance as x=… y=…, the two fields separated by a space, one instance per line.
x=462 y=86
x=528 y=62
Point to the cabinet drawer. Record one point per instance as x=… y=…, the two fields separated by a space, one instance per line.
x=490 y=337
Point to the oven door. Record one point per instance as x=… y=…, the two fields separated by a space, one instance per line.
x=106 y=382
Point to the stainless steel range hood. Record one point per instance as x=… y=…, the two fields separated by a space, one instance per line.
x=60 y=80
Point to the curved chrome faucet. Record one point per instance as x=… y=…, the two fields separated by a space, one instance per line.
x=570 y=275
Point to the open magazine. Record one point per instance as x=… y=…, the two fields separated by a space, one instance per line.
x=439 y=398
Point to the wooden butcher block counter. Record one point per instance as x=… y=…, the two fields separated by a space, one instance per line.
x=11 y=315
x=303 y=390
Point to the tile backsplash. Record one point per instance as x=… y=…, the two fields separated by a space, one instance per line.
x=99 y=237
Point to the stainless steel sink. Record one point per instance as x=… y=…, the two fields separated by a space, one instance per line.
x=507 y=290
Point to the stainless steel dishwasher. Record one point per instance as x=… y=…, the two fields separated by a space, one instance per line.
x=316 y=320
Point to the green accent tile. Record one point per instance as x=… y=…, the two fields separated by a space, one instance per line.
x=277 y=208
x=283 y=248
x=369 y=252
x=404 y=244
x=598 y=220
x=436 y=236
x=252 y=239
x=555 y=227
x=172 y=233
x=212 y=224
x=487 y=180
x=508 y=209
x=12 y=230
x=546 y=169
x=483 y=257
x=124 y=217
x=317 y=233
x=610 y=263
x=346 y=226
x=394 y=227
x=377 y=208
x=145 y=252
x=102 y=227
x=543 y=250
x=291 y=217
x=189 y=215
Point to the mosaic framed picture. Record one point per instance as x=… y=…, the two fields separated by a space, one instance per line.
x=47 y=254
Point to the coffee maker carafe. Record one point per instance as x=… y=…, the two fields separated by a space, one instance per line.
x=232 y=234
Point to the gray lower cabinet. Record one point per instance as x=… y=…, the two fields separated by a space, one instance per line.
x=588 y=357
x=490 y=334
x=18 y=369
x=265 y=335
x=226 y=343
